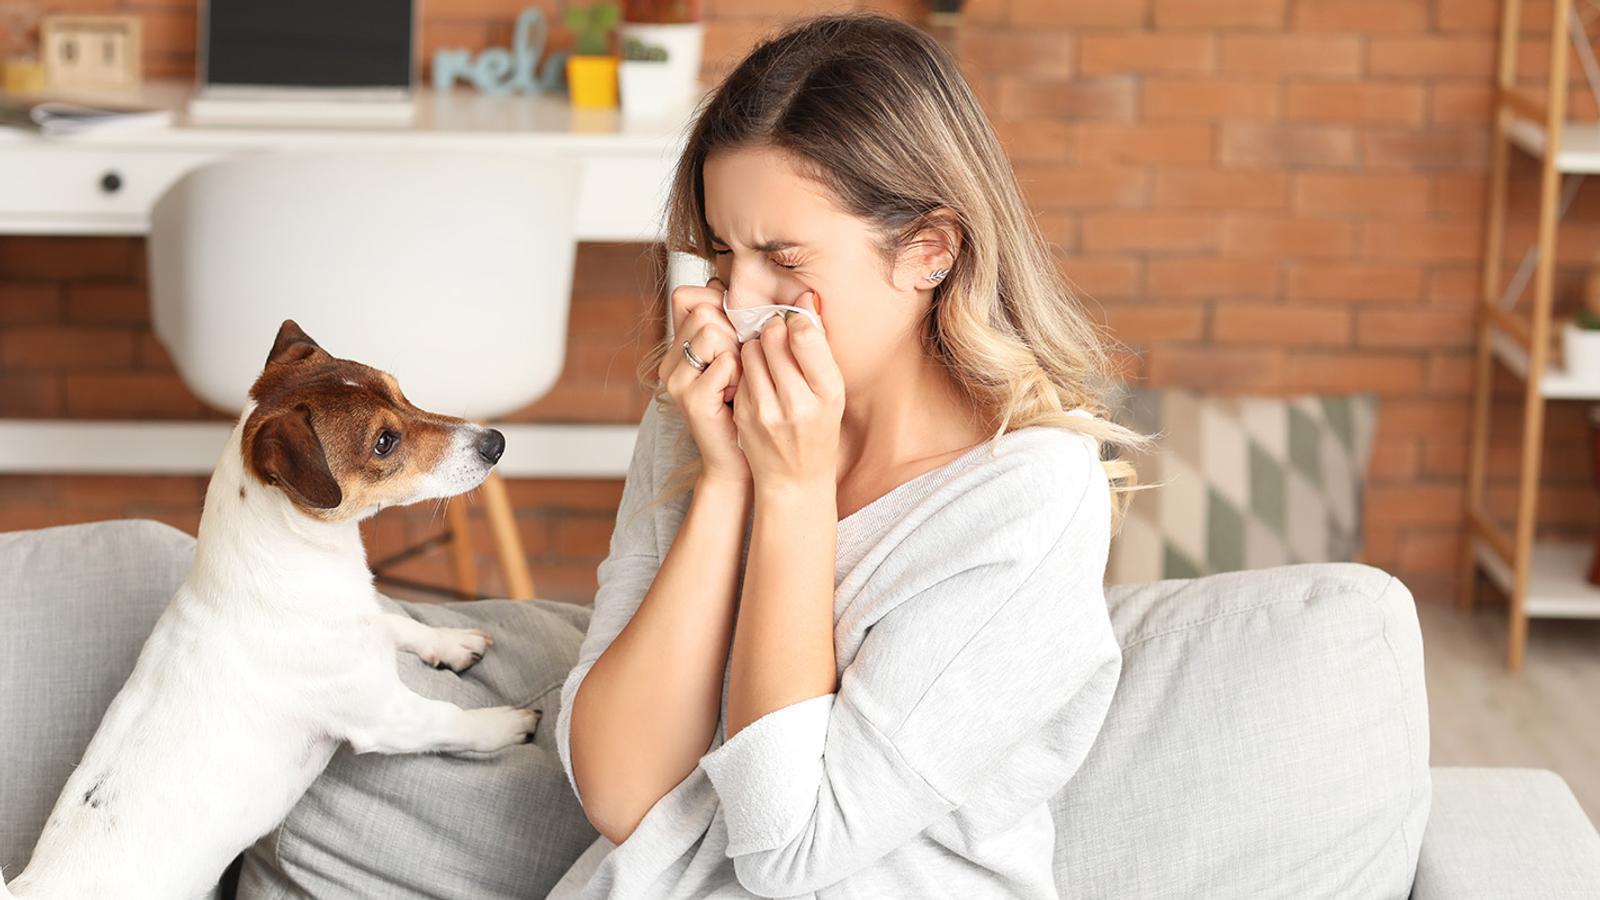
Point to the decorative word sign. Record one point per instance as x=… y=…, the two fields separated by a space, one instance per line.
x=501 y=71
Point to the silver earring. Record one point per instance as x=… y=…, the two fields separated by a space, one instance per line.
x=937 y=275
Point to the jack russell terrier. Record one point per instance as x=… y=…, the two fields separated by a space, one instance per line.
x=274 y=649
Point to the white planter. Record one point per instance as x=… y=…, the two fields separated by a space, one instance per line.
x=1581 y=350
x=645 y=89
x=674 y=81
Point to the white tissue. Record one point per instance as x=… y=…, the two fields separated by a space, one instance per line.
x=747 y=322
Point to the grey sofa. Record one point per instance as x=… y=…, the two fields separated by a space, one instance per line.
x=1269 y=738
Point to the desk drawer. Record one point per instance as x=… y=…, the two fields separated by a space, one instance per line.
x=73 y=183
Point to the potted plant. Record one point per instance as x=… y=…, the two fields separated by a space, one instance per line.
x=642 y=79
x=592 y=68
x=674 y=27
x=1580 y=337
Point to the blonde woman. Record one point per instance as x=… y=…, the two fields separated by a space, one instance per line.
x=851 y=634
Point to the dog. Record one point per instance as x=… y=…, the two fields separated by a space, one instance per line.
x=274 y=650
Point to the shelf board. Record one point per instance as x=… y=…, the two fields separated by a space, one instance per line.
x=1558 y=587
x=1580 y=144
x=1555 y=384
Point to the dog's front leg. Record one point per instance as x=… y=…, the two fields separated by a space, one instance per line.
x=408 y=723
x=443 y=648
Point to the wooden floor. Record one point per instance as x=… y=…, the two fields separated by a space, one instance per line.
x=1546 y=716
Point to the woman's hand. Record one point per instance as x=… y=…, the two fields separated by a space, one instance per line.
x=703 y=396
x=789 y=403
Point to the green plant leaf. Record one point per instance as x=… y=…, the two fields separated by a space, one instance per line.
x=590 y=26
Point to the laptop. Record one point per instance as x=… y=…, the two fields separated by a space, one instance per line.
x=350 y=62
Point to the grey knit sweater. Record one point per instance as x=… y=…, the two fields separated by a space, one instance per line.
x=976 y=665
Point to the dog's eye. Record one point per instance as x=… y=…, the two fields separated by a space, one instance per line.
x=386 y=442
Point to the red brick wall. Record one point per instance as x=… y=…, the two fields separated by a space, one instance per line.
x=1257 y=195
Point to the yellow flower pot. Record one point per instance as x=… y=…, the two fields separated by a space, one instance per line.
x=592 y=81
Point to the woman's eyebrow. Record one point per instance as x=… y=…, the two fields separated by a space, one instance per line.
x=771 y=246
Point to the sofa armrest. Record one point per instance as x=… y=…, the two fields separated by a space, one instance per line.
x=1500 y=832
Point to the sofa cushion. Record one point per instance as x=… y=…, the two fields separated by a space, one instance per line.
x=1504 y=832
x=76 y=604
x=445 y=826
x=1243 y=482
x=1268 y=738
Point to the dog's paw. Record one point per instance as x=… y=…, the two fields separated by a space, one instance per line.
x=499 y=727
x=455 y=649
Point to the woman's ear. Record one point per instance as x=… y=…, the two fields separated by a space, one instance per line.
x=931 y=252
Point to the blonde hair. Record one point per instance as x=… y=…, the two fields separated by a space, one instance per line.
x=877 y=111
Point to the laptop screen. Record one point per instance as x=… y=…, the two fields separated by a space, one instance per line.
x=308 y=43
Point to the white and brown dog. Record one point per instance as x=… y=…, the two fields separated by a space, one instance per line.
x=274 y=649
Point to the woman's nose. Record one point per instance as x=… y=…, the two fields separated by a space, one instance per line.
x=743 y=298
x=744 y=294
x=750 y=283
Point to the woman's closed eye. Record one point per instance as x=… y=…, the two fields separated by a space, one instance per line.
x=724 y=251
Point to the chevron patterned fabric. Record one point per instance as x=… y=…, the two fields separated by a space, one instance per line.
x=1246 y=482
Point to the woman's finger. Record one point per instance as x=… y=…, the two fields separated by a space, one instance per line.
x=704 y=393
x=708 y=342
x=714 y=379
x=812 y=355
x=757 y=381
x=705 y=344
x=713 y=316
x=687 y=297
x=787 y=379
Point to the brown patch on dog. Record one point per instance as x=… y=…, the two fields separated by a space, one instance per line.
x=317 y=421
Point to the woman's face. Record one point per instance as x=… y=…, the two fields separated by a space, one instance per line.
x=778 y=234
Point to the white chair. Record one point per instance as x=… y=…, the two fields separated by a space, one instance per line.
x=450 y=269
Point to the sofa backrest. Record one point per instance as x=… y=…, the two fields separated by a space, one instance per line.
x=1269 y=738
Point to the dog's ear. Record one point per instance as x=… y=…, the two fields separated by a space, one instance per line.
x=285 y=451
x=292 y=344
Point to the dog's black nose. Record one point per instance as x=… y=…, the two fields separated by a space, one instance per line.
x=491 y=445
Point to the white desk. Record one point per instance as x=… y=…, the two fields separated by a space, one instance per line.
x=106 y=183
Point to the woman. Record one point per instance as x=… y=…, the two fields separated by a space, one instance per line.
x=881 y=604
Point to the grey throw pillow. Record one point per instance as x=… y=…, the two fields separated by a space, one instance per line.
x=445 y=826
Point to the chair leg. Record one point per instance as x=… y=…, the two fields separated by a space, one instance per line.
x=461 y=556
x=507 y=540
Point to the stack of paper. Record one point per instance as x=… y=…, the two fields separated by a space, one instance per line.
x=58 y=117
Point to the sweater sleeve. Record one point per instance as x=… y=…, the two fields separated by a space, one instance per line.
x=989 y=681
x=628 y=570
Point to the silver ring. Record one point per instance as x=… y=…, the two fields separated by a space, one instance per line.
x=698 y=363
